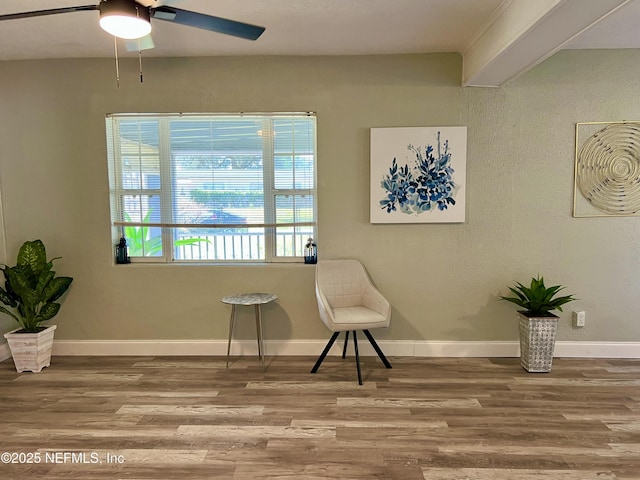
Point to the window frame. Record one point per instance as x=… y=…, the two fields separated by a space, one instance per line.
x=168 y=178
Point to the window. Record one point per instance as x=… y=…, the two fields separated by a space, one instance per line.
x=218 y=188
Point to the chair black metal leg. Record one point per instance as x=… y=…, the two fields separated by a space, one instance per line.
x=325 y=351
x=377 y=349
x=332 y=340
x=355 y=346
x=346 y=340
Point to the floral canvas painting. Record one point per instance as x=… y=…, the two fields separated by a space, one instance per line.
x=418 y=174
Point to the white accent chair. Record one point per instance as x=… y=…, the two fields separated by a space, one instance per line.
x=348 y=301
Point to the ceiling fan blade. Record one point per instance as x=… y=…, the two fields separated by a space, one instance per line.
x=52 y=11
x=207 y=22
x=139 y=44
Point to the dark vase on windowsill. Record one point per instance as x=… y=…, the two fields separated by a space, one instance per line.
x=122 y=253
x=310 y=252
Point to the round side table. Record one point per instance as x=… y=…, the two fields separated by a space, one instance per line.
x=248 y=299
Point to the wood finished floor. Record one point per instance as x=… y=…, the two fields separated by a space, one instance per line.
x=436 y=419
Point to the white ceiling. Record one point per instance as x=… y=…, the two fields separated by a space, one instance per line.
x=497 y=38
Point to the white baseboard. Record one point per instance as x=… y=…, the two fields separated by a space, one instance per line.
x=466 y=349
x=598 y=349
x=399 y=348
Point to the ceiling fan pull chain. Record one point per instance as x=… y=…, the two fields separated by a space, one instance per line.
x=140 y=60
x=139 y=47
x=115 y=47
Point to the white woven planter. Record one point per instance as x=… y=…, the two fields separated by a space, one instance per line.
x=537 y=341
x=31 y=352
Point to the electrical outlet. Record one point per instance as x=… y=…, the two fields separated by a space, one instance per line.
x=578 y=319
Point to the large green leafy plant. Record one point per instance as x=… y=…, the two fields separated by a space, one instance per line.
x=31 y=287
x=537 y=299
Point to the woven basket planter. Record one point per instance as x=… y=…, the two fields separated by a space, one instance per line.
x=31 y=352
x=537 y=341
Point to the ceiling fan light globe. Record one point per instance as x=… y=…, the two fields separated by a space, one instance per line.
x=125 y=18
x=124 y=26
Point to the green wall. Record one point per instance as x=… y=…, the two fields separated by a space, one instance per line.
x=443 y=280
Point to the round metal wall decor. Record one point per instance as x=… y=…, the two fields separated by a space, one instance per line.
x=608 y=169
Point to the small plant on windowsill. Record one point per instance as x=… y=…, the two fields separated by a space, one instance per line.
x=29 y=297
x=141 y=244
x=538 y=326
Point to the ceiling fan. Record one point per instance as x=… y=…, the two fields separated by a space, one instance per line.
x=131 y=19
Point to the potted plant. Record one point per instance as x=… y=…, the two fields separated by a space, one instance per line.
x=29 y=296
x=538 y=326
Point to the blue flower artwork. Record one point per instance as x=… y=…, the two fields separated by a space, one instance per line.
x=427 y=186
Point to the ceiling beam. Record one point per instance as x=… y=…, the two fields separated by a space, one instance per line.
x=523 y=33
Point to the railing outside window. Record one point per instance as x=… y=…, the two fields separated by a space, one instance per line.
x=245 y=246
